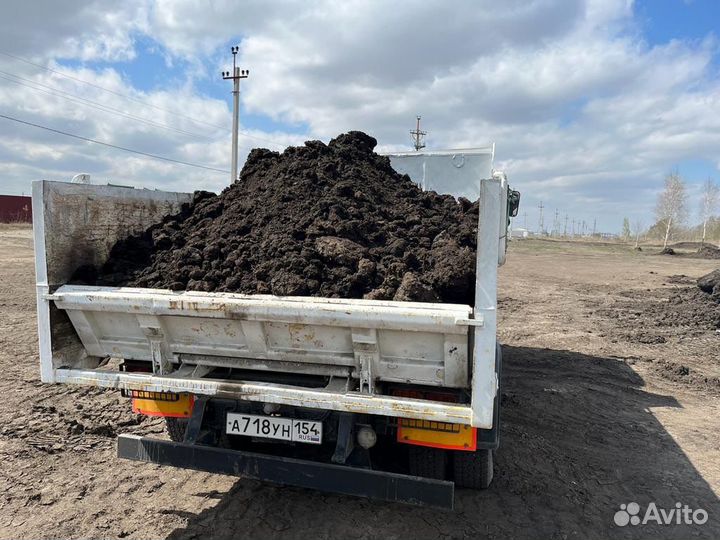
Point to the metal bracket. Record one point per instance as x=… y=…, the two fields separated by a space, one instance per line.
x=192 y=371
x=192 y=433
x=345 y=442
x=367 y=353
x=153 y=331
x=470 y=322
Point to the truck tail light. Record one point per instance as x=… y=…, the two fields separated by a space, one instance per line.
x=161 y=403
x=431 y=433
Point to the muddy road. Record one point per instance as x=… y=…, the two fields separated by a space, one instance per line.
x=605 y=402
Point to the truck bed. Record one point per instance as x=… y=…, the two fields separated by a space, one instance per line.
x=358 y=346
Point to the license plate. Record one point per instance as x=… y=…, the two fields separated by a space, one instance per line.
x=274 y=427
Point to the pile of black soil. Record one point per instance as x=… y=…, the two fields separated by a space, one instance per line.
x=331 y=220
x=708 y=252
x=710 y=283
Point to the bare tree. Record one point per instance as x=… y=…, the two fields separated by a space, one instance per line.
x=637 y=229
x=671 y=208
x=708 y=204
x=626 y=229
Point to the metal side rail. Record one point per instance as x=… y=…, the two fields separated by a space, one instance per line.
x=313 y=398
x=342 y=479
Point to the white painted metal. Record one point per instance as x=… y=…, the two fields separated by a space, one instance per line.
x=395 y=341
x=457 y=172
x=82 y=178
x=493 y=204
x=315 y=398
x=41 y=284
x=373 y=340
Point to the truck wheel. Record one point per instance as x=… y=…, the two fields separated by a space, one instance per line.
x=473 y=469
x=176 y=428
x=428 y=462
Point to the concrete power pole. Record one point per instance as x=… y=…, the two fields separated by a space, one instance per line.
x=565 y=229
x=235 y=76
x=542 y=218
x=418 y=137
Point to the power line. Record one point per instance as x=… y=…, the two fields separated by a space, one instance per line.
x=90 y=103
x=141 y=102
x=146 y=154
x=104 y=89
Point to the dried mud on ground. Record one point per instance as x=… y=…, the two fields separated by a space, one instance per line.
x=602 y=405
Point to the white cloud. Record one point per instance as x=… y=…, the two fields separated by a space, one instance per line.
x=586 y=115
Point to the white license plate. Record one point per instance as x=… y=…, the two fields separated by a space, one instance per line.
x=274 y=427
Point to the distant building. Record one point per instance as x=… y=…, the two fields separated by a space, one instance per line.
x=15 y=208
x=519 y=232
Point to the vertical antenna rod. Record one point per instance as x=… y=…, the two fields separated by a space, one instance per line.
x=235 y=76
x=418 y=136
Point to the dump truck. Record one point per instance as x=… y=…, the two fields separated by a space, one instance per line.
x=397 y=401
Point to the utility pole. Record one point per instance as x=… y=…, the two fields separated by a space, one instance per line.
x=235 y=76
x=594 y=226
x=418 y=136
x=565 y=229
x=556 y=224
x=525 y=220
x=573 y=228
x=542 y=220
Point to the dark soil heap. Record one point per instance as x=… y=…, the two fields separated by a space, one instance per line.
x=329 y=220
x=708 y=252
x=710 y=283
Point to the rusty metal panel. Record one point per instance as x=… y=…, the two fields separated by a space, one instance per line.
x=82 y=222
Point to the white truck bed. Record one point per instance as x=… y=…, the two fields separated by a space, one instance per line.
x=356 y=343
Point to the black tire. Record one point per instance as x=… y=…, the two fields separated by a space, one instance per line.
x=428 y=462
x=473 y=469
x=176 y=428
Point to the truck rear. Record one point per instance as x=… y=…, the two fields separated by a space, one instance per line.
x=392 y=400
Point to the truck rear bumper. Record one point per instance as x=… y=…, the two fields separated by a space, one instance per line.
x=313 y=398
x=286 y=471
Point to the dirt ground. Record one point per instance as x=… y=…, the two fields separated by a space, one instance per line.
x=605 y=402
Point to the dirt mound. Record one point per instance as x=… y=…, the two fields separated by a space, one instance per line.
x=687 y=245
x=708 y=252
x=710 y=283
x=329 y=220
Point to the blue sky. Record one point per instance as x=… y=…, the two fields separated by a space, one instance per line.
x=154 y=69
x=664 y=20
x=590 y=102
